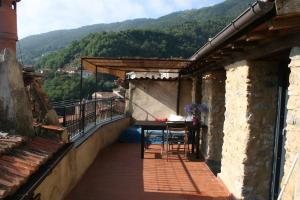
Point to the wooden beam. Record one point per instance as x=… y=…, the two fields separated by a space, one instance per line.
x=260 y=51
x=284 y=23
x=273 y=46
x=256 y=37
x=139 y=63
x=136 y=69
x=243 y=44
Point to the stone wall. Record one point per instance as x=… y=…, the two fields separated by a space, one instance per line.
x=297 y=188
x=151 y=99
x=196 y=89
x=213 y=95
x=15 y=109
x=292 y=138
x=70 y=169
x=251 y=96
x=285 y=7
x=185 y=95
x=235 y=128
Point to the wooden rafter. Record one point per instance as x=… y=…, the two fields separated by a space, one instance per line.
x=120 y=66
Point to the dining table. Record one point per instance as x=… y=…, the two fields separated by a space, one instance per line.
x=162 y=126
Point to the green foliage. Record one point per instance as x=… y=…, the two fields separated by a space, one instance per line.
x=210 y=20
x=179 y=34
x=133 y=43
x=65 y=87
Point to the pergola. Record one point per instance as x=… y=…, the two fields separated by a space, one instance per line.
x=119 y=67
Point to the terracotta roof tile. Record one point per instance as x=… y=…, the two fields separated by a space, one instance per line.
x=3 y=192
x=8 y=183
x=7 y=143
x=23 y=168
x=53 y=128
x=20 y=158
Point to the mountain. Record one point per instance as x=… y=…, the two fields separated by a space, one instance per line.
x=206 y=22
x=130 y=43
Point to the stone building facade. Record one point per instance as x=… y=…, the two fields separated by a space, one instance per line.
x=251 y=96
x=287 y=6
x=15 y=109
x=261 y=124
x=251 y=93
x=213 y=95
x=292 y=135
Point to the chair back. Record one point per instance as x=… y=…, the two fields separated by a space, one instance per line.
x=177 y=126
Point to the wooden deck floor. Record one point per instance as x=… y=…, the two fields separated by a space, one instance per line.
x=119 y=174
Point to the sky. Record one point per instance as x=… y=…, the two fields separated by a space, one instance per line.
x=35 y=16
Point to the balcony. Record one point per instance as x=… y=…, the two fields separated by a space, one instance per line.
x=118 y=172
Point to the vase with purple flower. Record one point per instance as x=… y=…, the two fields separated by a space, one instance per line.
x=195 y=110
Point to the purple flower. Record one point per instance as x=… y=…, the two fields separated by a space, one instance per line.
x=188 y=108
x=202 y=108
x=195 y=109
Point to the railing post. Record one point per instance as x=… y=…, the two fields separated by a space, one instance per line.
x=95 y=112
x=64 y=117
x=96 y=97
x=111 y=111
x=83 y=117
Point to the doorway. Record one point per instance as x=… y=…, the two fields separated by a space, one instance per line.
x=279 y=131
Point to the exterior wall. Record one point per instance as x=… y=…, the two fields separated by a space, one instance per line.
x=213 y=91
x=151 y=99
x=185 y=95
x=15 y=109
x=297 y=189
x=196 y=89
x=8 y=26
x=235 y=128
x=71 y=168
x=285 y=7
x=292 y=144
x=251 y=95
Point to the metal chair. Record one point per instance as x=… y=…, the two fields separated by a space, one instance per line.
x=177 y=133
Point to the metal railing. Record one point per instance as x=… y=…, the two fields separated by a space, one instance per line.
x=80 y=117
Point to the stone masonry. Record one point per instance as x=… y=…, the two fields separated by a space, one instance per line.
x=15 y=109
x=186 y=96
x=196 y=89
x=251 y=94
x=285 y=7
x=213 y=95
x=292 y=140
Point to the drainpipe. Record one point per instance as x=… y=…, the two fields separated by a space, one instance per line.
x=253 y=13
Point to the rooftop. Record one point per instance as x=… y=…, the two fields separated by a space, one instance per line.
x=20 y=158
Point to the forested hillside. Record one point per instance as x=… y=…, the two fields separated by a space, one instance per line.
x=204 y=22
x=179 y=34
x=65 y=87
x=134 y=43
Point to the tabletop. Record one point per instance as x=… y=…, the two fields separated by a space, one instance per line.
x=157 y=125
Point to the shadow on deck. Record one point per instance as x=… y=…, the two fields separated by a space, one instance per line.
x=119 y=174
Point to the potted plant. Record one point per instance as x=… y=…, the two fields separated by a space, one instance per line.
x=194 y=110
